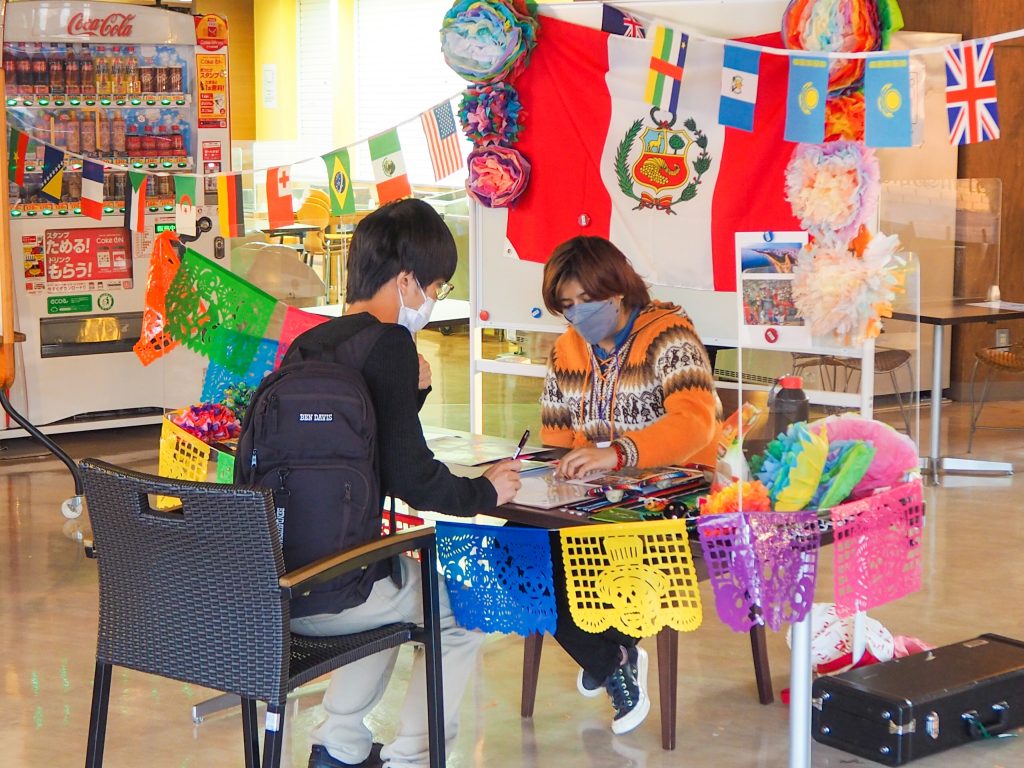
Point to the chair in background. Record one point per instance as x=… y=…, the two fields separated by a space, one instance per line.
x=888 y=361
x=993 y=360
x=198 y=593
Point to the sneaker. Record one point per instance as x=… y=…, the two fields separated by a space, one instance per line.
x=627 y=687
x=319 y=757
x=588 y=686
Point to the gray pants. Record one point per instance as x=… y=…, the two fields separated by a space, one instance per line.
x=355 y=689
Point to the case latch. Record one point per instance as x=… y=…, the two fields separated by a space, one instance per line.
x=902 y=730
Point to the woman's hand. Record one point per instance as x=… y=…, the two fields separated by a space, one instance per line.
x=424 y=380
x=585 y=461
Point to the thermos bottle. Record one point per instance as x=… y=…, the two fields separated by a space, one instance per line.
x=787 y=404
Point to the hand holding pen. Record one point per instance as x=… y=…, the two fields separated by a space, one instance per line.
x=522 y=444
x=504 y=475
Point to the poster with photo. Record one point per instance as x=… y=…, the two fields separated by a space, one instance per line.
x=768 y=316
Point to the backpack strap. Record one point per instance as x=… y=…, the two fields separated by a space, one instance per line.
x=354 y=350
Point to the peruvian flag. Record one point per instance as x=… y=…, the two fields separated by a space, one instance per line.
x=279 y=198
x=669 y=190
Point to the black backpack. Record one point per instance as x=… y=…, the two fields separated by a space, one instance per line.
x=310 y=435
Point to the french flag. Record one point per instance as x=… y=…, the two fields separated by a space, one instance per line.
x=670 y=196
x=92 y=189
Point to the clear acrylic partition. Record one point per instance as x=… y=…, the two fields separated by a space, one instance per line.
x=774 y=341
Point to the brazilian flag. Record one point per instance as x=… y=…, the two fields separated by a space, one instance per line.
x=340 y=183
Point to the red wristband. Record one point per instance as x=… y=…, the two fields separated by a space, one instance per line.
x=620 y=457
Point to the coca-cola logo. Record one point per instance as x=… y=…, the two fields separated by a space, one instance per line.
x=114 y=25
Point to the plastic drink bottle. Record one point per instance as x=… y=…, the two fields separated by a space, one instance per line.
x=103 y=134
x=103 y=82
x=88 y=72
x=40 y=73
x=788 y=404
x=118 y=132
x=72 y=71
x=55 y=65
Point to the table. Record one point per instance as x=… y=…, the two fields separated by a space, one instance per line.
x=940 y=313
x=667 y=638
x=290 y=230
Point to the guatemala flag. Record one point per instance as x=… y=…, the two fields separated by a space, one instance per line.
x=739 y=87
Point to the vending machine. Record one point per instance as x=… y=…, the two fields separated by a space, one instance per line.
x=138 y=88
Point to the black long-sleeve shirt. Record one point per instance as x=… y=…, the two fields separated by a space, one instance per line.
x=408 y=468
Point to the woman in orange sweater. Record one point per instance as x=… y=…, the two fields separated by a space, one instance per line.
x=628 y=385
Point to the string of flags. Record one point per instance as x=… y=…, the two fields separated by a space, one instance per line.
x=971 y=99
x=391 y=180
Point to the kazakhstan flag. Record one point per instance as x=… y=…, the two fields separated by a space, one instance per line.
x=887 y=102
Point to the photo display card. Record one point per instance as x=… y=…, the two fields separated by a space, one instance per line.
x=768 y=316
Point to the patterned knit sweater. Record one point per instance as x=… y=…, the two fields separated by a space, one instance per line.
x=654 y=396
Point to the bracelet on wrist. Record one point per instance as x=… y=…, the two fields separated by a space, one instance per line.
x=620 y=457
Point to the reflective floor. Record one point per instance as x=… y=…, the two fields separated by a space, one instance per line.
x=973 y=583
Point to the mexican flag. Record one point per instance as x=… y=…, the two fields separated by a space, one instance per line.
x=669 y=190
x=389 y=167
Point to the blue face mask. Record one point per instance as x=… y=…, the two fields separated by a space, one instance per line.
x=593 y=320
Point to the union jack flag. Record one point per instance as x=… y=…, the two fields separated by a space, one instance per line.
x=971 y=93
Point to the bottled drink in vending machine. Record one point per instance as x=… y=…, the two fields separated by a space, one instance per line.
x=72 y=187
x=42 y=133
x=102 y=134
x=60 y=129
x=120 y=185
x=72 y=71
x=89 y=134
x=10 y=71
x=72 y=127
x=147 y=76
x=116 y=72
x=134 y=142
x=162 y=142
x=118 y=134
x=165 y=185
x=40 y=72
x=87 y=71
x=23 y=66
x=148 y=142
x=103 y=81
x=162 y=76
x=55 y=65
x=175 y=80
x=131 y=72
x=177 y=141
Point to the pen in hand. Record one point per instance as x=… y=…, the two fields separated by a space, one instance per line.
x=522 y=444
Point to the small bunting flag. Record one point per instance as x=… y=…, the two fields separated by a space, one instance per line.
x=739 y=87
x=229 y=205
x=342 y=199
x=971 y=93
x=185 y=205
x=887 y=102
x=668 y=57
x=53 y=173
x=805 y=99
x=135 y=205
x=92 y=189
x=389 y=167
x=17 y=154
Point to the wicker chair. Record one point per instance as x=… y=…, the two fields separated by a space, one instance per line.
x=994 y=360
x=199 y=594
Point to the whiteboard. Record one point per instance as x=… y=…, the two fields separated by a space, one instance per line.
x=508 y=290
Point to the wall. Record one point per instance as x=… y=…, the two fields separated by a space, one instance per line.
x=995 y=159
x=274 y=42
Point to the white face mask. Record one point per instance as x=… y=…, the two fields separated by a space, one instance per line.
x=415 y=319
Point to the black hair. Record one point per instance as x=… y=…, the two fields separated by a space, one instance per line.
x=403 y=236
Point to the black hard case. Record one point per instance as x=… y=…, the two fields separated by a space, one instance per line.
x=925 y=703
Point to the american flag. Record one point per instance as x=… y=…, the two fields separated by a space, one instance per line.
x=442 y=140
x=971 y=93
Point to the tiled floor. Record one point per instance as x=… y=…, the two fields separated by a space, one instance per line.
x=973 y=582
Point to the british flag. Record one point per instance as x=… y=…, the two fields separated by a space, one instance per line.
x=971 y=93
x=616 y=22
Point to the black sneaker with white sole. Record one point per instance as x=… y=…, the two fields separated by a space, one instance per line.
x=627 y=687
x=588 y=685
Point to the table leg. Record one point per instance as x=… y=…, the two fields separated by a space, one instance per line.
x=936 y=408
x=762 y=670
x=800 y=695
x=532 y=647
x=668 y=677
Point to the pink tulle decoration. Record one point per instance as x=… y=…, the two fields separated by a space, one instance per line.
x=497 y=175
x=834 y=25
x=895 y=453
x=840 y=294
x=833 y=189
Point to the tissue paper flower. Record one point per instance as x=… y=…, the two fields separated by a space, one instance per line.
x=847 y=462
x=791 y=467
x=844 y=116
x=497 y=175
x=490 y=114
x=738 y=497
x=487 y=40
x=833 y=189
x=208 y=422
x=840 y=294
x=834 y=25
x=895 y=453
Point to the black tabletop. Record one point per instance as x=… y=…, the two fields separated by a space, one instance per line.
x=957 y=312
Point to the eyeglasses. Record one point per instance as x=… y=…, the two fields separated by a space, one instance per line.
x=444 y=290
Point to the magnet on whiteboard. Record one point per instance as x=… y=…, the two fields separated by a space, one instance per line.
x=584 y=220
x=535 y=313
x=485 y=315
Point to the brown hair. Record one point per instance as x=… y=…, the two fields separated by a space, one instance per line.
x=602 y=270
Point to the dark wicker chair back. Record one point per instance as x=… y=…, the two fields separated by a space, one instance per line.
x=197 y=592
